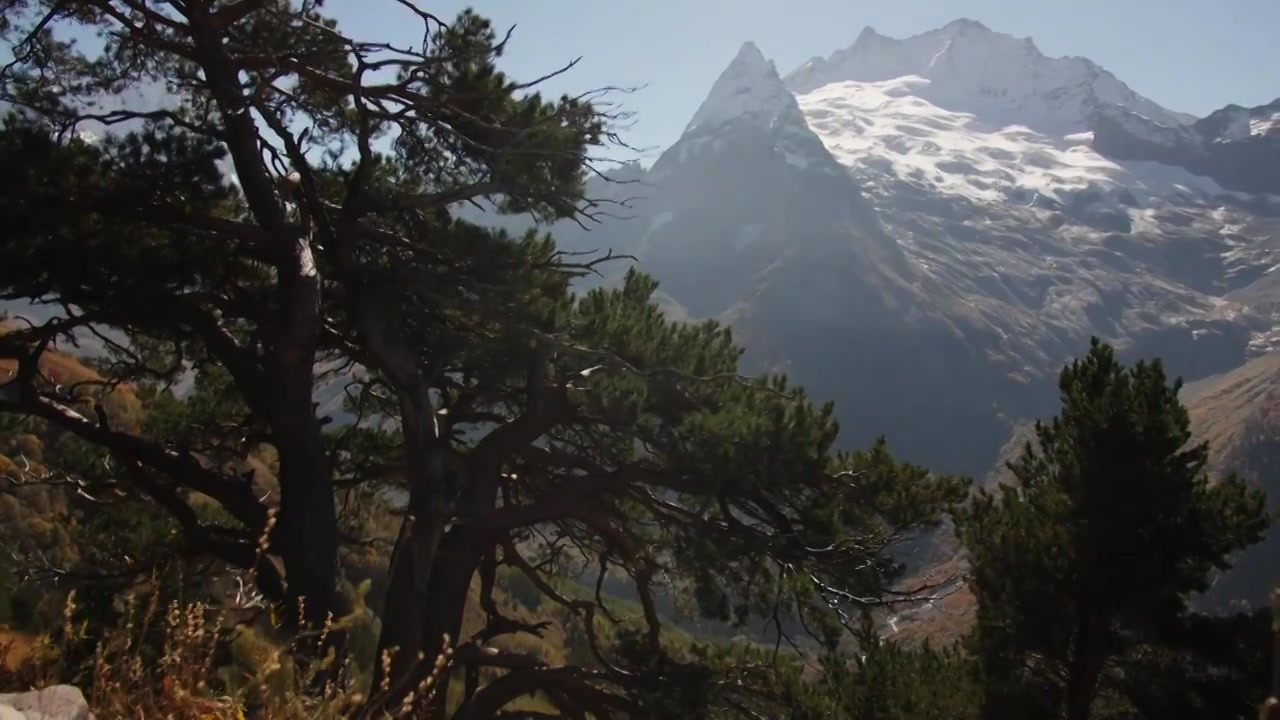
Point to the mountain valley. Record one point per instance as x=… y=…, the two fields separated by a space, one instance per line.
x=924 y=230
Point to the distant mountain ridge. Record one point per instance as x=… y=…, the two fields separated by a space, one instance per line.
x=1237 y=147
x=924 y=231
x=997 y=77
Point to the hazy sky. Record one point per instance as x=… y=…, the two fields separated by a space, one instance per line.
x=1189 y=55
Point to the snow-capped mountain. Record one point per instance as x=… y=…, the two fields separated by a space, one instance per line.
x=1002 y=79
x=1061 y=235
x=924 y=230
x=887 y=130
x=783 y=201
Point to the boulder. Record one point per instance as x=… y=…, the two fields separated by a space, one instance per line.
x=59 y=702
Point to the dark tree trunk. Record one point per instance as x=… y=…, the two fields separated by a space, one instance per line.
x=306 y=534
x=421 y=612
x=307 y=529
x=403 y=611
x=459 y=559
x=427 y=603
x=409 y=593
x=1085 y=671
x=431 y=570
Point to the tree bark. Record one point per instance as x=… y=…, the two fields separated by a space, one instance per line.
x=433 y=563
x=460 y=555
x=430 y=575
x=1085 y=671
x=307 y=530
x=426 y=603
x=407 y=609
x=440 y=614
x=306 y=534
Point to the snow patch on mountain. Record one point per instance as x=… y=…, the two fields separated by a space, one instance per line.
x=999 y=78
x=1240 y=123
x=889 y=129
x=1265 y=126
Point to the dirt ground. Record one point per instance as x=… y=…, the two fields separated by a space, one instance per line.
x=15 y=648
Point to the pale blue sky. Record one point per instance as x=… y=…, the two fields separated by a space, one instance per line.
x=1189 y=55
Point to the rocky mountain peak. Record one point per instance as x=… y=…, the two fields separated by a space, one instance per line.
x=1238 y=147
x=902 y=227
x=1002 y=79
x=749 y=109
x=965 y=25
x=748 y=89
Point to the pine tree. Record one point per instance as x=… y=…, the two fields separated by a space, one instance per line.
x=528 y=429
x=1112 y=525
x=887 y=680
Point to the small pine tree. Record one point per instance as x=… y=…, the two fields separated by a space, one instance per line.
x=1112 y=524
x=888 y=680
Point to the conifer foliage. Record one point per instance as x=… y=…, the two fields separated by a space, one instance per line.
x=278 y=222
x=301 y=344
x=1087 y=562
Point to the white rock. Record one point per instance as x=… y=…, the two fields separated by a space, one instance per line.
x=59 y=702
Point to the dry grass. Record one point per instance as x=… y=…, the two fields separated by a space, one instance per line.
x=161 y=663
x=180 y=639
x=164 y=662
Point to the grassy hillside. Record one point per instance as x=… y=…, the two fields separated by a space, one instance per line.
x=1239 y=414
x=1226 y=408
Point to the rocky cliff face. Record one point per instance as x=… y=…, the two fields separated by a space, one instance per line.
x=1237 y=147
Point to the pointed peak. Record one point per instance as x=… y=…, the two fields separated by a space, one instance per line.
x=966 y=25
x=868 y=33
x=749 y=85
x=868 y=41
x=750 y=52
x=750 y=62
